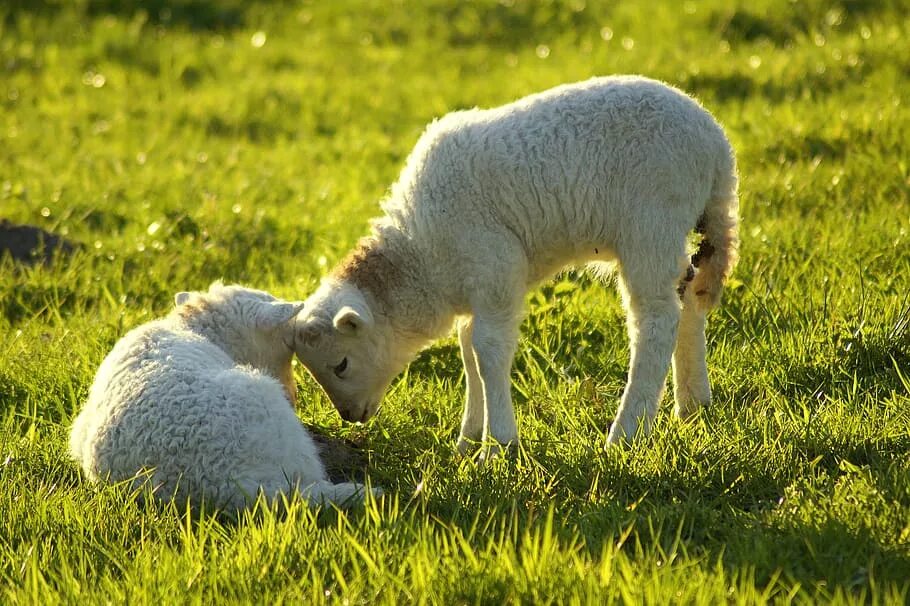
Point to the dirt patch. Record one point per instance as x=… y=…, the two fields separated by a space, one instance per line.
x=30 y=244
x=343 y=461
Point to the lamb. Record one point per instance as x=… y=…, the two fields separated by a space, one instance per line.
x=613 y=173
x=199 y=406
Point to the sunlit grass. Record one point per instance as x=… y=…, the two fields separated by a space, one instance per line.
x=182 y=141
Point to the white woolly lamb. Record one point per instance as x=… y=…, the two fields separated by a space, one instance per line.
x=615 y=170
x=199 y=405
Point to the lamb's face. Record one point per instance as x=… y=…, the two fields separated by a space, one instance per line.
x=347 y=351
x=254 y=327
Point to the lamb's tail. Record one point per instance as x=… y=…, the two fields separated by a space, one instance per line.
x=719 y=228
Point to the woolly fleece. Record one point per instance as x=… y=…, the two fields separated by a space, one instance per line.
x=610 y=172
x=198 y=405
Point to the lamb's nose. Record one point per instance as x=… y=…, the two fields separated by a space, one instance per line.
x=349 y=414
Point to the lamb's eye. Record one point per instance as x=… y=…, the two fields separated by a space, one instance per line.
x=339 y=370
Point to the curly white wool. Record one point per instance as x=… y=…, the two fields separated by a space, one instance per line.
x=198 y=405
x=614 y=171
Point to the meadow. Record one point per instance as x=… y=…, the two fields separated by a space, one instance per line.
x=178 y=142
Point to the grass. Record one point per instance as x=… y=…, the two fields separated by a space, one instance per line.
x=182 y=141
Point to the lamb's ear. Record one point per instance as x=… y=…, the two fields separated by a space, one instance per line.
x=349 y=320
x=278 y=312
x=180 y=298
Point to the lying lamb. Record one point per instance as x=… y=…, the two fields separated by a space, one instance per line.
x=199 y=404
x=610 y=171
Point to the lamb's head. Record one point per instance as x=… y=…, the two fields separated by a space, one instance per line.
x=351 y=351
x=252 y=326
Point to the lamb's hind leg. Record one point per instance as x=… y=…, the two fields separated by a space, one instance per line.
x=652 y=312
x=691 y=388
x=472 y=419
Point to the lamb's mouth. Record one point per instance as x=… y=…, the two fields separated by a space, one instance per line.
x=369 y=410
x=358 y=414
x=354 y=414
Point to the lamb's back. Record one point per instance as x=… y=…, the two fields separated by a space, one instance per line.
x=151 y=389
x=607 y=116
x=562 y=168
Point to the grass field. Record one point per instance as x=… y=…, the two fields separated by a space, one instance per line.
x=183 y=141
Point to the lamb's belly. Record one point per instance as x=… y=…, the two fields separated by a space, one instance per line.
x=557 y=232
x=545 y=263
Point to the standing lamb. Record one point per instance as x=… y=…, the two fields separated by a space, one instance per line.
x=199 y=404
x=610 y=171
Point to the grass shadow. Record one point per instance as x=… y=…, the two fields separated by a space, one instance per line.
x=196 y=15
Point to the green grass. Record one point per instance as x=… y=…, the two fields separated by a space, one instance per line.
x=180 y=146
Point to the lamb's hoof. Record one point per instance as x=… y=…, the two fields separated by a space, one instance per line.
x=616 y=439
x=689 y=408
x=466 y=446
x=494 y=451
x=348 y=494
x=619 y=435
x=376 y=492
x=686 y=411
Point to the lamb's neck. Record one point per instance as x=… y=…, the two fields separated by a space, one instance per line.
x=391 y=271
x=211 y=326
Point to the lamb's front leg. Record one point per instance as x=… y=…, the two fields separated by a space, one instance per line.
x=472 y=419
x=494 y=340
